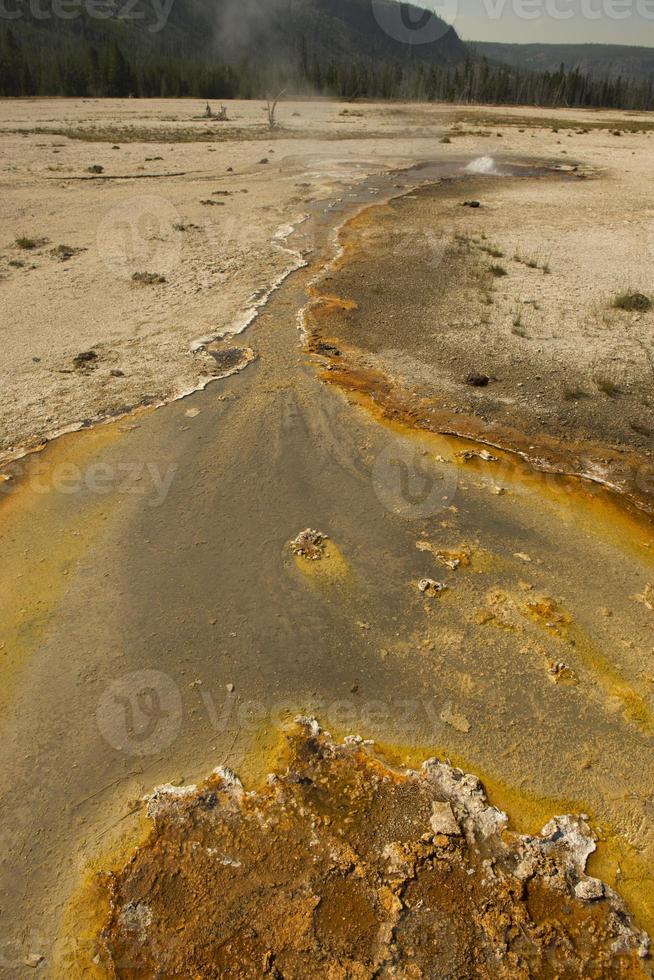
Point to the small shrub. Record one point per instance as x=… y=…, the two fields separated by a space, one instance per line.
x=632 y=302
x=64 y=252
x=147 y=278
x=498 y=271
x=30 y=243
x=574 y=394
x=607 y=386
x=95 y=169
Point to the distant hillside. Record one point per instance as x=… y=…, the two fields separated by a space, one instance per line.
x=249 y=48
x=218 y=47
x=596 y=60
x=266 y=32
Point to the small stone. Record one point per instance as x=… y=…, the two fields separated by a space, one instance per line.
x=33 y=960
x=230 y=688
x=442 y=819
x=459 y=722
x=429 y=586
x=589 y=890
x=310 y=544
x=477 y=380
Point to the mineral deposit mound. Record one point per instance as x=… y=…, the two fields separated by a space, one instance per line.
x=345 y=868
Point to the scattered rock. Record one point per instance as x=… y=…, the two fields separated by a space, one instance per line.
x=589 y=889
x=471 y=204
x=647 y=597
x=468 y=454
x=228 y=359
x=264 y=160
x=33 y=960
x=322 y=347
x=117 y=373
x=559 y=672
x=477 y=380
x=443 y=820
x=430 y=587
x=455 y=720
x=309 y=544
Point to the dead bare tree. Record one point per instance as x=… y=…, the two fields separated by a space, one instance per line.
x=271 y=109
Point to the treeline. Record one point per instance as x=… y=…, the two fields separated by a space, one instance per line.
x=79 y=68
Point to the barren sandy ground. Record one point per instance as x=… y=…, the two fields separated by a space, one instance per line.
x=464 y=608
x=597 y=239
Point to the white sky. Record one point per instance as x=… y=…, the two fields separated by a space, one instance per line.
x=550 y=21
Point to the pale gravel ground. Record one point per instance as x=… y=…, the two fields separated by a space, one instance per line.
x=598 y=236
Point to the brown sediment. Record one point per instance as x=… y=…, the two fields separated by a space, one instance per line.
x=621 y=470
x=618 y=473
x=345 y=867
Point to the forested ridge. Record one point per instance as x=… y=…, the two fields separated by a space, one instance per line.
x=321 y=47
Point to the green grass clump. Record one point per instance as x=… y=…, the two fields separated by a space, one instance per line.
x=607 y=386
x=29 y=244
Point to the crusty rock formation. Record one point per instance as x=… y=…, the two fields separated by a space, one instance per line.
x=345 y=868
